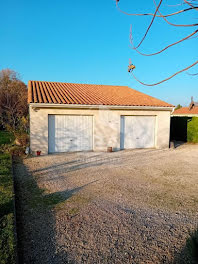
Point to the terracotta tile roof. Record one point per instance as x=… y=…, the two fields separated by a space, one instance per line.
x=186 y=111
x=88 y=94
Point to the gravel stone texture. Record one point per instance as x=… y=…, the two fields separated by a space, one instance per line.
x=132 y=206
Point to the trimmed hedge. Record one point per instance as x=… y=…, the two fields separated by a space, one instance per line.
x=7 y=238
x=192 y=130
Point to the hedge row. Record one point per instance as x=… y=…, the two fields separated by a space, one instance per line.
x=7 y=238
x=192 y=130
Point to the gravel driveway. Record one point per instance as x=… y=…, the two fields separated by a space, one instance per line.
x=135 y=206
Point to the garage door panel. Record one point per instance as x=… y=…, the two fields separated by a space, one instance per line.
x=63 y=134
x=51 y=133
x=70 y=133
x=137 y=132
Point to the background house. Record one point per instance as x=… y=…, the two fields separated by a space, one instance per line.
x=184 y=123
x=81 y=117
x=190 y=111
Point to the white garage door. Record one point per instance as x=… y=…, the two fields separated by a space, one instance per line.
x=70 y=133
x=137 y=132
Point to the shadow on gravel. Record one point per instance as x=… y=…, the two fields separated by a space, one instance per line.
x=36 y=219
x=84 y=162
x=189 y=254
x=78 y=164
x=178 y=144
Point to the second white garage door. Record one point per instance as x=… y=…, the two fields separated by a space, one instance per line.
x=70 y=133
x=137 y=132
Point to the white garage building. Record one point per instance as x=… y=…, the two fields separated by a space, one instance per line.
x=66 y=117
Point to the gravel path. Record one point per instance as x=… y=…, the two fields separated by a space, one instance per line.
x=127 y=207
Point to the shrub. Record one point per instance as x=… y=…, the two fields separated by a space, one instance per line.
x=22 y=138
x=6 y=137
x=192 y=130
x=17 y=151
x=7 y=241
x=13 y=143
x=13 y=100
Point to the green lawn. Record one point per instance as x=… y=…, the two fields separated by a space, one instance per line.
x=7 y=240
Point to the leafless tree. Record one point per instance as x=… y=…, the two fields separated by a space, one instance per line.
x=190 y=6
x=13 y=99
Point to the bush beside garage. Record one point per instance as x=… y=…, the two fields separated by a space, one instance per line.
x=192 y=130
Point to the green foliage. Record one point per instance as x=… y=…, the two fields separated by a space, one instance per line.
x=13 y=143
x=192 y=130
x=6 y=137
x=7 y=247
x=7 y=242
x=178 y=107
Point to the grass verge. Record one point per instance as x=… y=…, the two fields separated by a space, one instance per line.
x=7 y=238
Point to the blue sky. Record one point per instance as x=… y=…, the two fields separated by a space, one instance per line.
x=88 y=42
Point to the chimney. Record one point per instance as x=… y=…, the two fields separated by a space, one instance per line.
x=191 y=104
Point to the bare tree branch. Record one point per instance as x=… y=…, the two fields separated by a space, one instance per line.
x=176 y=25
x=13 y=99
x=157 y=11
x=192 y=74
x=188 y=3
x=185 y=69
x=157 y=8
x=151 y=14
x=152 y=54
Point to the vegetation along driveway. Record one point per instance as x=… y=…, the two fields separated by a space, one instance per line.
x=136 y=206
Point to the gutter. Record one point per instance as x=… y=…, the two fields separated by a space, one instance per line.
x=101 y=107
x=192 y=115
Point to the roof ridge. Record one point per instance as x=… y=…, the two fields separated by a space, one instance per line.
x=82 y=83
